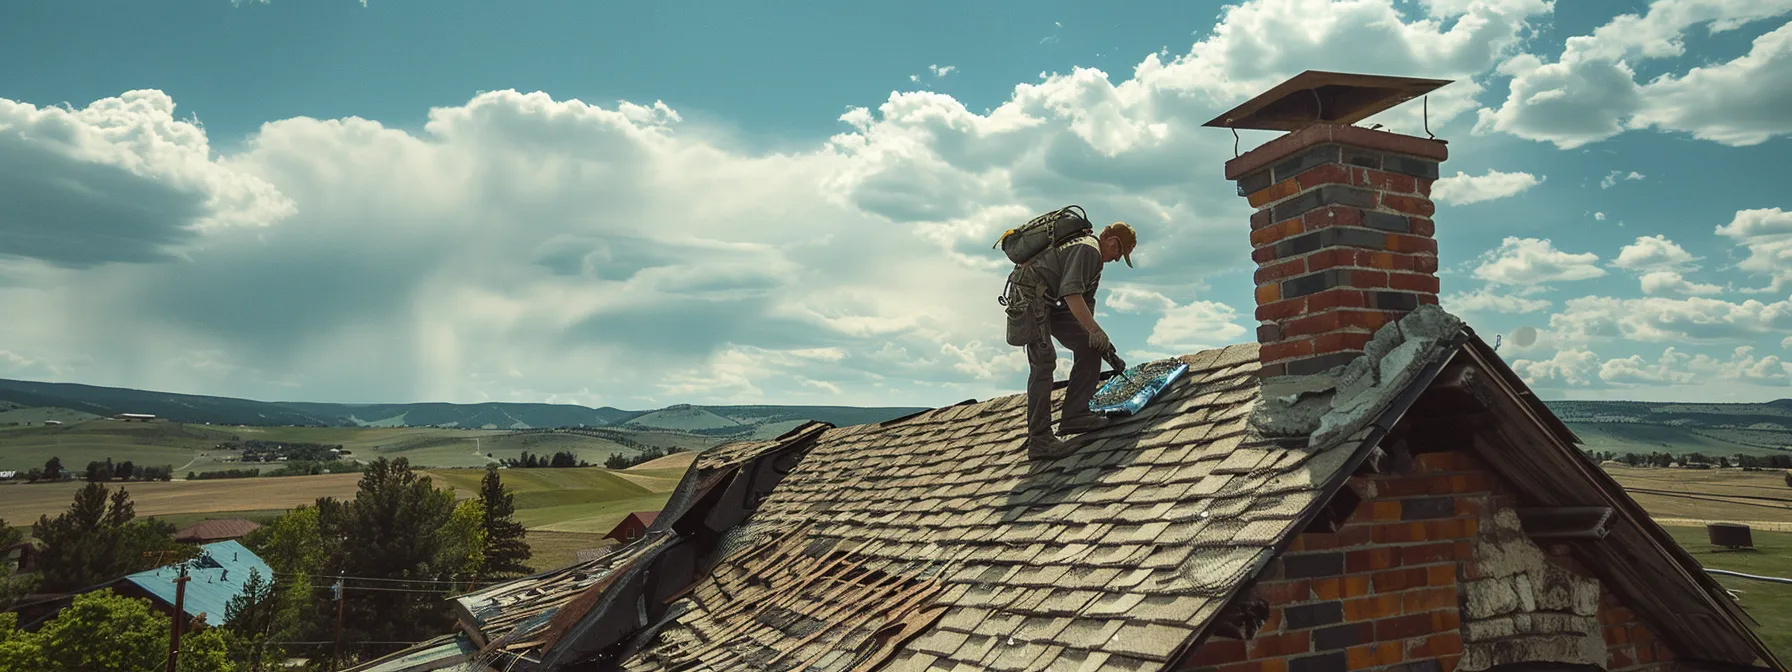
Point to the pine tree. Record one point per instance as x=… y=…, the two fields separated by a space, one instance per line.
x=505 y=545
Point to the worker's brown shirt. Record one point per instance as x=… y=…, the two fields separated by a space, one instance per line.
x=1074 y=268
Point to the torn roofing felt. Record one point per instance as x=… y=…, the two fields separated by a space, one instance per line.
x=934 y=541
x=588 y=609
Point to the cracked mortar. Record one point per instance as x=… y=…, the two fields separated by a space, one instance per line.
x=1328 y=406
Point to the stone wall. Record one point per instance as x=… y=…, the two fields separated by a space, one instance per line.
x=1432 y=573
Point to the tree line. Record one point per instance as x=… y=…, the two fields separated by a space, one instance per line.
x=620 y=461
x=98 y=471
x=1665 y=459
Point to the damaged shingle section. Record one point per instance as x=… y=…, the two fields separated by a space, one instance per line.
x=1326 y=407
x=1114 y=557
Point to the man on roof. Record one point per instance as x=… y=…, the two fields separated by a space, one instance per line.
x=1069 y=279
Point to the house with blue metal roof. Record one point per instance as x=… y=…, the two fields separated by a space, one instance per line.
x=216 y=575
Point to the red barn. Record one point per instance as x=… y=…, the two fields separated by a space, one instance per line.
x=633 y=526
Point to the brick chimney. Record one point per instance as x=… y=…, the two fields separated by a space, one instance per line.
x=1342 y=235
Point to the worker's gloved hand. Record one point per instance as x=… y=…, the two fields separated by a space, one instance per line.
x=1098 y=339
x=1115 y=361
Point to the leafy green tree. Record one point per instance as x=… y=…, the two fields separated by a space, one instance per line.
x=53 y=468
x=98 y=539
x=506 y=545
x=391 y=530
x=463 y=541
x=105 y=632
x=124 y=471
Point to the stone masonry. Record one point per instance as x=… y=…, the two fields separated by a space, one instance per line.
x=1342 y=237
x=1432 y=574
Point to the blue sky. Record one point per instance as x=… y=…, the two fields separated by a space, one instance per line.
x=792 y=203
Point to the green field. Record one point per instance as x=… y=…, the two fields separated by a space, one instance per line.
x=1639 y=438
x=1769 y=603
x=189 y=447
x=159 y=443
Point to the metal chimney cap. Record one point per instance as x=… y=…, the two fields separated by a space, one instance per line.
x=1320 y=97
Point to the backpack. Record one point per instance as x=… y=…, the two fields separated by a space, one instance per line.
x=1044 y=232
x=1024 y=298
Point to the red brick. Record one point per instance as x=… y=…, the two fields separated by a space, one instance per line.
x=1451 y=528
x=1281 y=310
x=1470 y=507
x=1281 y=269
x=1400 y=242
x=1327 y=173
x=1446 y=620
x=1414 y=486
x=1356 y=586
x=1285 y=644
x=1335 y=298
x=1353 y=536
x=1412 y=205
x=1371 y=608
x=1260 y=219
x=1332 y=215
x=1340 y=342
x=1421 y=226
x=1427 y=554
x=1399 y=533
x=1375 y=179
x=1368 y=279
x=1396 y=580
x=1328 y=589
x=1428 y=599
x=1216 y=651
x=1428 y=298
x=1403 y=627
x=1335 y=257
x=1616 y=635
x=1263 y=254
x=1373 y=559
x=1374 y=655
x=1413 y=282
x=1424 y=189
x=1312 y=324
x=1275 y=232
x=1273 y=193
x=1271 y=665
x=1424 y=263
x=1441 y=575
x=1285 y=592
x=1274 y=352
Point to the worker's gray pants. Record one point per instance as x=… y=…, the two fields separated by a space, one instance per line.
x=1042 y=360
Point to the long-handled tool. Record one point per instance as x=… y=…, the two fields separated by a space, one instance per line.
x=1113 y=360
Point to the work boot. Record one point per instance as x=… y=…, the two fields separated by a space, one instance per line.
x=1084 y=423
x=1048 y=448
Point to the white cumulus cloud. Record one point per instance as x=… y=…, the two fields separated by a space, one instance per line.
x=1654 y=253
x=1590 y=92
x=1533 y=261
x=1463 y=189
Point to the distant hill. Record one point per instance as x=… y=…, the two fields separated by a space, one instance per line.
x=19 y=398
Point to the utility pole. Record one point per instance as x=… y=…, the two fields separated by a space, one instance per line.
x=180 y=618
x=337 y=655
